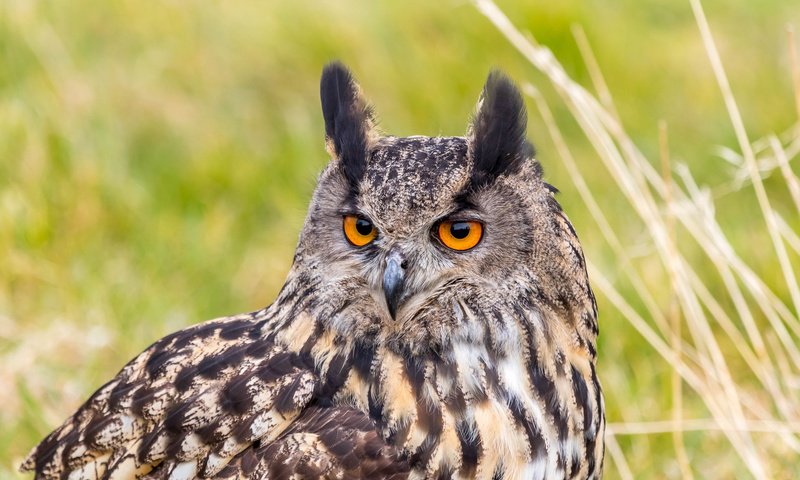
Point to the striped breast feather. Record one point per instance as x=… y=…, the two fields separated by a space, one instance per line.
x=184 y=408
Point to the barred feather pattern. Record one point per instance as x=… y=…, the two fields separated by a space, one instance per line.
x=275 y=393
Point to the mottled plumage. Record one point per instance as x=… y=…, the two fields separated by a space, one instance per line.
x=401 y=358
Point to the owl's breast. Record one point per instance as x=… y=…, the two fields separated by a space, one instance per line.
x=469 y=414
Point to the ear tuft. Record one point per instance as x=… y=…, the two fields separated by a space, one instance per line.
x=496 y=136
x=348 y=120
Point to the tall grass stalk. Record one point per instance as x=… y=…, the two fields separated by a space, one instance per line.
x=737 y=350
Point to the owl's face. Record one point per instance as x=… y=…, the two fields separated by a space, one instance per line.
x=402 y=229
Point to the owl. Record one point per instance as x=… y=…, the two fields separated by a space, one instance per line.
x=437 y=322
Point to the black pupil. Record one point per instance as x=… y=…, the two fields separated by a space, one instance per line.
x=459 y=230
x=363 y=227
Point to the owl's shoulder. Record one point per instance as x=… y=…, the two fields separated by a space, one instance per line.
x=190 y=403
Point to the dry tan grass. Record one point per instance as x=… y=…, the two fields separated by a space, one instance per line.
x=737 y=353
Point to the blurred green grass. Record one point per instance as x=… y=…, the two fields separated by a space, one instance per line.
x=156 y=159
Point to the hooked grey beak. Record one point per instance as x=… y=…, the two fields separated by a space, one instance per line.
x=393 y=280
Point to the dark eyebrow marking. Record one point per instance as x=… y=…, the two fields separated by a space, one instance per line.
x=463 y=201
x=350 y=212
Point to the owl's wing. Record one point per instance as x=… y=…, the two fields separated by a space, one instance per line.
x=186 y=407
x=324 y=442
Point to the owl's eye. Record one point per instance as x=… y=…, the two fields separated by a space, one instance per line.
x=460 y=236
x=359 y=231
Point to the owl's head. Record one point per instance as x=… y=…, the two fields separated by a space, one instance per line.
x=404 y=235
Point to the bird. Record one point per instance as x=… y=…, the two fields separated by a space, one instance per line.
x=437 y=322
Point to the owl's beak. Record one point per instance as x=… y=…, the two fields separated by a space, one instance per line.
x=394 y=280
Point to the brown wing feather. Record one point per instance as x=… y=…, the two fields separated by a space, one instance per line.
x=192 y=401
x=324 y=442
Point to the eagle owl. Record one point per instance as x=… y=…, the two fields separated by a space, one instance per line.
x=437 y=322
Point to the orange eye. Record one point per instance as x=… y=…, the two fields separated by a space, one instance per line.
x=460 y=236
x=359 y=231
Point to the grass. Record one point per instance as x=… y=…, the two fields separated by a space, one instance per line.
x=156 y=159
x=748 y=389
